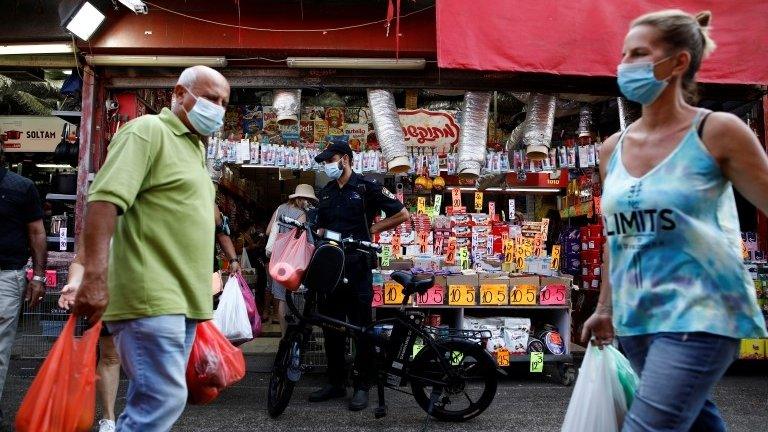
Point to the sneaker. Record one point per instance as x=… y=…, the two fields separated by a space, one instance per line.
x=327 y=392
x=359 y=400
x=106 y=425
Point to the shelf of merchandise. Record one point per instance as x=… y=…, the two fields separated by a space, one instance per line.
x=582 y=209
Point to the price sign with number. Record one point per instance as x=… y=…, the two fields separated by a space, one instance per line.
x=502 y=357
x=462 y=295
x=386 y=255
x=537 y=362
x=524 y=295
x=553 y=295
x=393 y=293
x=456 y=197
x=544 y=227
x=439 y=242
x=492 y=210
x=478 y=201
x=509 y=251
x=450 y=256
x=555 y=264
x=63 y=238
x=421 y=205
x=512 y=209
x=423 y=240
x=397 y=249
x=464 y=258
x=538 y=246
x=433 y=296
x=494 y=294
x=438 y=204
x=378 y=296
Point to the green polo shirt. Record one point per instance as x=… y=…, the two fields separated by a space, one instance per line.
x=160 y=262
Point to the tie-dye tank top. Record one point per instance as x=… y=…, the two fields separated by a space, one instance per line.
x=674 y=243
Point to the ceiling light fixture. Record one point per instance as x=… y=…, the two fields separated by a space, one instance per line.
x=150 y=60
x=136 y=6
x=84 y=21
x=355 y=63
x=42 y=48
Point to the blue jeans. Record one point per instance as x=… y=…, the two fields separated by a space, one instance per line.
x=153 y=352
x=677 y=372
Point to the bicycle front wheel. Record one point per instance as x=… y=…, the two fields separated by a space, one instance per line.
x=285 y=373
x=467 y=388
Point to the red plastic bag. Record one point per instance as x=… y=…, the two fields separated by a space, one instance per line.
x=250 y=305
x=214 y=364
x=62 y=397
x=290 y=258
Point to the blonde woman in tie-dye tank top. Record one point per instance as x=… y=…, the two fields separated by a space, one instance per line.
x=675 y=291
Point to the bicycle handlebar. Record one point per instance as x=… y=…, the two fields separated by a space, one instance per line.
x=347 y=241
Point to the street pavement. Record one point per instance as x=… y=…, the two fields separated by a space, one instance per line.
x=523 y=403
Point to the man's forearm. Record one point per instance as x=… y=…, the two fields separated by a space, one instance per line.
x=39 y=245
x=99 y=228
x=227 y=246
x=390 y=222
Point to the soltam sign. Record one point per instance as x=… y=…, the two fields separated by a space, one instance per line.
x=31 y=133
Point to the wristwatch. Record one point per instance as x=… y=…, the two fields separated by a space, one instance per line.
x=39 y=279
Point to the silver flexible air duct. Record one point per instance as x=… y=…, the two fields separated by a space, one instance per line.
x=389 y=131
x=585 y=121
x=626 y=116
x=286 y=104
x=474 y=133
x=539 y=123
x=514 y=140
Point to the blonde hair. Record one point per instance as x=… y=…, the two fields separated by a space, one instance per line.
x=680 y=30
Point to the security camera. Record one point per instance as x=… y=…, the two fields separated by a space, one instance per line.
x=112 y=105
x=137 y=6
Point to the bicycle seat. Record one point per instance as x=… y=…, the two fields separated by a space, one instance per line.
x=413 y=284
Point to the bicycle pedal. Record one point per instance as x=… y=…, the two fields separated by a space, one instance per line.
x=380 y=412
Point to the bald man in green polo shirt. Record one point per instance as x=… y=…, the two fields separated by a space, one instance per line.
x=155 y=196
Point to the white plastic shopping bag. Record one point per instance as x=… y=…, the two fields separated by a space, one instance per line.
x=245 y=262
x=599 y=401
x=231 y=317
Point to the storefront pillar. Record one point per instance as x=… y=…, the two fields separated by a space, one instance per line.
x=86 y=140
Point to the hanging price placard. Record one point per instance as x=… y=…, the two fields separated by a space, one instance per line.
x=544 y=227
x=502 y=357
x=492 y=210
x=511 y=209
x=538 y=246
x=397 y=249
x=553 y=295
x=478 y=201
x=523 y=295
x=423 y=241
x=450 y=256
x=378 y=296
x=555 y=263
x=537 y=362
x=393 y=293
x=456 y=197
x=63 y=238
x=439 y=243
x=494 y=294
x=462 y=295
x=464 y=258
x=386 y=255
x=509 y=251
x=421 y=205
x=438 y=204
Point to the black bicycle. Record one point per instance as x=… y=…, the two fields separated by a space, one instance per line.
x=452 y=377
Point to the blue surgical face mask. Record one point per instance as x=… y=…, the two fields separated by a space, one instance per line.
x=333 y=170
x=206 y=117
x=638 y=83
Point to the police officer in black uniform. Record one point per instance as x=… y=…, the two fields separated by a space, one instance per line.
x=348 y=205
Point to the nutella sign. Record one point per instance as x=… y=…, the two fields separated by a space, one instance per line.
x=436 y=129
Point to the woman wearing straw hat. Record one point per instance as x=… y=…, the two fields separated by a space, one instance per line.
x=298 y=203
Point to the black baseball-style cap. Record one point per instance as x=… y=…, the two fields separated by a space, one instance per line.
x=334 y=149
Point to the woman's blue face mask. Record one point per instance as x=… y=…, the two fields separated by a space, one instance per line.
x=638 y=83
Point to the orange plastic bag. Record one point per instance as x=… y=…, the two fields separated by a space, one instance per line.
x=214 y=364
x=290 y=258
x=62 y=397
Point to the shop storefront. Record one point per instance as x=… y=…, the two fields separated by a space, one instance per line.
x=510 y=241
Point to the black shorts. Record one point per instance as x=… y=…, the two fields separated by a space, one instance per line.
x=104 y=330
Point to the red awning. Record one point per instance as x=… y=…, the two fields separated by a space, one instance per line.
x=585 y=37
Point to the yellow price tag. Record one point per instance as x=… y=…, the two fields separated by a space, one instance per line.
x=478 y=201
x=421 y=205
x=509 y=251
x=538 y=246
x=494 y=294
x=393 y=293
x=537 y=362
x=462 y=295
x=555 y=263
x=523 y=295
x=502 y=357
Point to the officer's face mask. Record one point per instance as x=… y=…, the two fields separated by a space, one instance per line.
x=638 y=83
x=333 y=170
x=205 y=116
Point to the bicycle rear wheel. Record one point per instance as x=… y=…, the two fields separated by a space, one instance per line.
x=285 y=372
x=468 y=389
